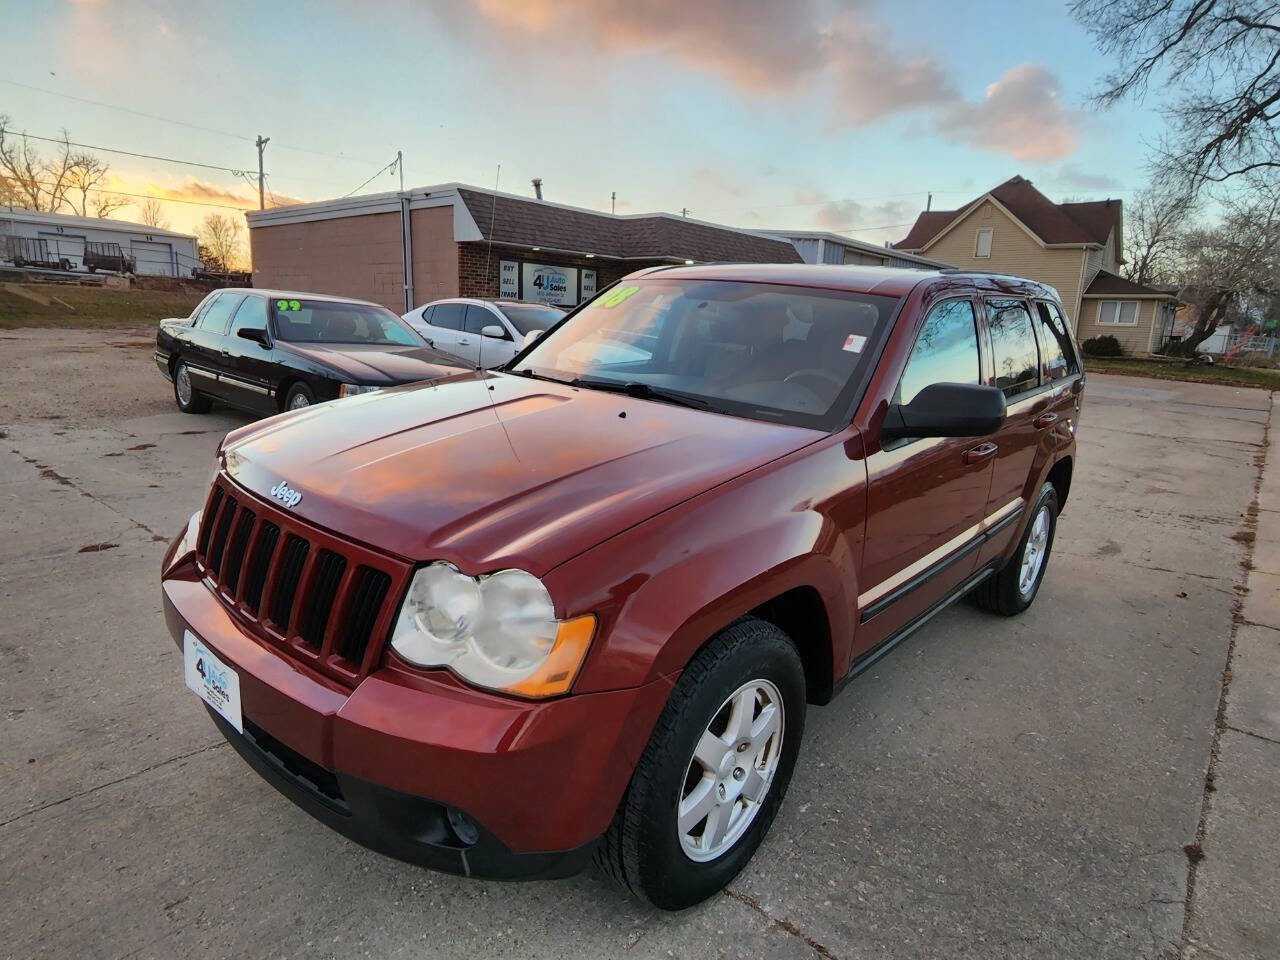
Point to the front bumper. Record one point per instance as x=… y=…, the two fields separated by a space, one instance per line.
x=421 y=767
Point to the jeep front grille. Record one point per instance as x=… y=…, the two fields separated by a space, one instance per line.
x=321 y=600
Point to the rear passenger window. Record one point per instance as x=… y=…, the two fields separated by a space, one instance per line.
x=1055 y=343
x=945 y=352
x=1013 y=346
x=218 y=314
x=448 y=315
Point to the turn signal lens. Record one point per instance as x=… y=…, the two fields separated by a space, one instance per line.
x=557 y=673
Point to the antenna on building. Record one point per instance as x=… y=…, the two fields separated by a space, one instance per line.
x=684 y=211
x=928 y=204
x=613 y=202
x=537 y=187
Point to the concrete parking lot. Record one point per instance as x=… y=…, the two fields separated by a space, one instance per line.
x=995 y=788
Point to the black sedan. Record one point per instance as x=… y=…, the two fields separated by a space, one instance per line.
x=266 y=351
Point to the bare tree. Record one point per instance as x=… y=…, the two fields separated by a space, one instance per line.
x=37 y=183
x=83 y=177
x=1220 y=59
x=152 y=214
x=1234 y=263
x=1153 y=220
x=219 y=237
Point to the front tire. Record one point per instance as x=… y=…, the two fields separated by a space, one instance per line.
x=189 y=399
x=714 y=773
x=299 y=396
x=1014 y=587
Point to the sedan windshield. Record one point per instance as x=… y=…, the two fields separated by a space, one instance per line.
x=526 y=318
x=790 y=354
x=328 y=321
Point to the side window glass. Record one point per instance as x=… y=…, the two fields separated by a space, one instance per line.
x=428 y=314
x=1013 y=346
x=478 y=318
x=945 y=352
x=448 y=315
x=1055 y=341
x=201 y=307
x=252 y=313
x=218 y=314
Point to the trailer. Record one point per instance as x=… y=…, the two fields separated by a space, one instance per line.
x=108 y=256
x=31 y=252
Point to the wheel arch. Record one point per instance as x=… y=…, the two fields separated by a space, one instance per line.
x=1060 y=476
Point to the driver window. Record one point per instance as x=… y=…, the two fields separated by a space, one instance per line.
x=945 y=352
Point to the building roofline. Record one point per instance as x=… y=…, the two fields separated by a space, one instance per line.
x=856 y=244
x=389 y=202
x=66 y=219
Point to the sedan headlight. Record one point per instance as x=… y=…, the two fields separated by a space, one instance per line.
x=497 y=631
x=355 y=389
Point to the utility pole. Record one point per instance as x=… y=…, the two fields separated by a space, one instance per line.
x=400 y=167
x=262 y=145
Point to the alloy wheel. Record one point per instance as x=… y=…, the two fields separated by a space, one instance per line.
x=732 y=767
x=183 y=383
x=1033 y=553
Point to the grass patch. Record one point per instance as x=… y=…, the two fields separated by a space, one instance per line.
x=91 y=307
x=1230 y=376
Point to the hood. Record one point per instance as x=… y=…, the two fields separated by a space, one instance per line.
x=376 y=363
x=492 y=470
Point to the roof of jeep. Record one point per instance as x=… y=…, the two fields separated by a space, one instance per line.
x=884 y=281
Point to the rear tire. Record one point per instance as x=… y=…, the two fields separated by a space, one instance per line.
x=746 y=667
x=195 y=402
x=1013 y=588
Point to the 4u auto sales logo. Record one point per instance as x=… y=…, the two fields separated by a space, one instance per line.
x=550 y=282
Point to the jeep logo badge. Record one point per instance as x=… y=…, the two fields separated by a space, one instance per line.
x=286 y=494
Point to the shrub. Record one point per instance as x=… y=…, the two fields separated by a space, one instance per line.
x=1103 y=346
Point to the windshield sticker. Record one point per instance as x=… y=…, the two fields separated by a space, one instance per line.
x=854 y=343
x=291 y=305
x=615 y=297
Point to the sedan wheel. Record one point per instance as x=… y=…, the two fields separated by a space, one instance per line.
x=299 y=396
x=188 y=398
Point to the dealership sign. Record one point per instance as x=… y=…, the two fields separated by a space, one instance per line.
x=546 y=284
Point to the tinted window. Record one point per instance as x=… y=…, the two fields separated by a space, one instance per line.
x=478 y=318
x=1013 y=346
x=526 y=318
x=252 y=313
x=1055 y=343
x=945 y=352
x=201 y=307
x=448 y=315
x=327 y=321
x=784 y=354
x=218 y=313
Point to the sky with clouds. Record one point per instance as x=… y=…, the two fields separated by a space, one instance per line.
x=811 y=114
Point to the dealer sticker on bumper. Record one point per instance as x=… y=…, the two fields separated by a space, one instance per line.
x=215 y=682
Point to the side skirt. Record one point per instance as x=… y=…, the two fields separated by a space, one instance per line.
x=869 y=658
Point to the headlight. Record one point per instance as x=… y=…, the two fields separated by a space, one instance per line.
x=355 y=389
x=497 y=631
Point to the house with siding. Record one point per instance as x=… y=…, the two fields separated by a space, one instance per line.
x=1073 y=247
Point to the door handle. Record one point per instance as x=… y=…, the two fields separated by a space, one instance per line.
x=983 y=451
x=1044 y=420
x=464 y=343
x=225 y=353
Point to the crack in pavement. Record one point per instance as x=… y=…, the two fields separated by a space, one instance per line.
x=50 y=474
x=1250 y=733
x=782 y=923
x=1249 y=523
x=1164 y=438
x=111 y=783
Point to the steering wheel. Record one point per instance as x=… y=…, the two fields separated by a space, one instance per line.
x=817 y=373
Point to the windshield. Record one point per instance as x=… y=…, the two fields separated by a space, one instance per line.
x=327 y=321
x=790 y=354
x=527 y=318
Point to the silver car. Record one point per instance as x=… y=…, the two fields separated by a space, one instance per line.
x=484 y=333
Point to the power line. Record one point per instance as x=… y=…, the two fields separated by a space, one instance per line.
x=180 y=123
x=151 y=196
x=130 y=153
x=381 y=171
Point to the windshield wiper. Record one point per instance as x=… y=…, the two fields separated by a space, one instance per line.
x=645 y=391
x=526 y=372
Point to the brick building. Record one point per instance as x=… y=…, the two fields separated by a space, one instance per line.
x=406 y=249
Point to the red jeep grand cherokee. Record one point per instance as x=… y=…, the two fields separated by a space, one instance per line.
x=500 y=623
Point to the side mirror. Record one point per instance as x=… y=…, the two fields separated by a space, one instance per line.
x=531 y=336
x=946 y=410
x=494 y=331
x=257 y=334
